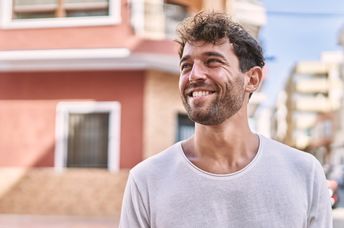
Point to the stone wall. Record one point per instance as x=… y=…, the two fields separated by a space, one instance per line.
x=77 y=192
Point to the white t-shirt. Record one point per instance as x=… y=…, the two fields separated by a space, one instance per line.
x=281 y=187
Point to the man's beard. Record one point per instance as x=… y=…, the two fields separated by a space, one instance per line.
x=219 y=109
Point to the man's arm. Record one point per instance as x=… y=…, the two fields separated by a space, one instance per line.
x=320 y=213
x=134 y=213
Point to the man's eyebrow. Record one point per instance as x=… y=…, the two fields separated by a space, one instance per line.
x=184 y=59
x=208 y=54
x=216 y=54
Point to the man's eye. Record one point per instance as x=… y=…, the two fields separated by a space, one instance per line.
x=214 y=62
x=185 y=66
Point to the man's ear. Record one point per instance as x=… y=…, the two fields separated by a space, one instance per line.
x=254 y=77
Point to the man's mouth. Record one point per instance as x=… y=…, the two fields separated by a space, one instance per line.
x=200 y=93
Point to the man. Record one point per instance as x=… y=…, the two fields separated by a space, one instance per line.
x=225 y=175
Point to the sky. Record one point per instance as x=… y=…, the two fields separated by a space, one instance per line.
x=297 y=30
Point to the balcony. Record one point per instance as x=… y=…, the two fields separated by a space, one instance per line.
x=316 y=85
x=304 y=120
x=311 y=68
x=312 y=104
x=155 y=19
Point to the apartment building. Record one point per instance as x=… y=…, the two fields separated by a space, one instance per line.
x=304 y=116
x=337 y=145
x=89 y=88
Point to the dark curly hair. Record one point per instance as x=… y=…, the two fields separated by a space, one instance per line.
x=211 y=27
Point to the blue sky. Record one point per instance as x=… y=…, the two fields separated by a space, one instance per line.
x=297 y=30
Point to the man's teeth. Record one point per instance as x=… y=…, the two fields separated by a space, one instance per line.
x=200 y=93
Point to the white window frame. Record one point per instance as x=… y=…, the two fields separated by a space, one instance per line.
x=62 y=119
x=7 y=22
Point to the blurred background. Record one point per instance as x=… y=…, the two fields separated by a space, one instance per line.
x=89 y=88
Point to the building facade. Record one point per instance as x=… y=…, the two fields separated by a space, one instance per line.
x=304 y=115
x=89 y=88
x=338 y=141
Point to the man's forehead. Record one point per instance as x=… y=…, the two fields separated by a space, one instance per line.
x=199 y=47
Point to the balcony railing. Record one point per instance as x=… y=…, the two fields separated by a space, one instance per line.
x=304 y=120
x=156 y=20
x=313 y=86
x=313 y=104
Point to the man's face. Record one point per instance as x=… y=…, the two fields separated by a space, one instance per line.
x=211 y=83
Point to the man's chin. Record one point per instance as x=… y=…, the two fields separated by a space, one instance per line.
x=202 y=118
x=201 y=115
x=206 y=117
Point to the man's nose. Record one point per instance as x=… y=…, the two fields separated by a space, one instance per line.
x=197 y=72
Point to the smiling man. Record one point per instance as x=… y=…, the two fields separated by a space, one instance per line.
x=225 y=175
x=222 y=92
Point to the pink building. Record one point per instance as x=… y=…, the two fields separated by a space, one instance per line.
x=87 y=84
x=83 y=85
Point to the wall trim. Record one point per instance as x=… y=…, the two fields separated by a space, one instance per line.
x=61 y=135
x=85 y=59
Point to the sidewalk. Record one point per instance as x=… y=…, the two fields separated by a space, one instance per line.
x=37 y=221
x=338 y=218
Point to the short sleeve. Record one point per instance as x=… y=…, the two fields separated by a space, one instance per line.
x=133 y=213
x=320 y=212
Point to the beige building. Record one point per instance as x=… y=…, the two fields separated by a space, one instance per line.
x=338 y=141
x=304 y=115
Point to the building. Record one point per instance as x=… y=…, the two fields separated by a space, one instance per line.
x=304 y=116
x=338 y=141
x=89 y=84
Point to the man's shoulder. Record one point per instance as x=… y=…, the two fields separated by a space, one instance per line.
x=158 y=163
x=280 y=151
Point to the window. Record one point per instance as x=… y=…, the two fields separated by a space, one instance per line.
x=26 y=9
x=186 y=127
x=56 y=13
x=87 y=135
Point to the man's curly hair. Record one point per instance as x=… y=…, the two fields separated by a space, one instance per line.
x=212 y=27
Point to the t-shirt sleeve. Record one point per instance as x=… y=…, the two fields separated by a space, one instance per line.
x=320 y=212
x=133 y=213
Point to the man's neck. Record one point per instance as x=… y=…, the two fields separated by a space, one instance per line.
x=222 y=149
